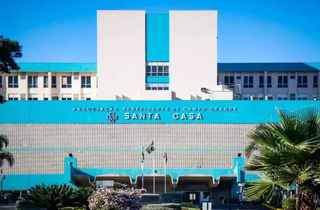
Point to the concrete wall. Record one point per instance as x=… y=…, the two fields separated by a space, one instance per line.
x=116 y=146
x=121 y=53
x=193 y=52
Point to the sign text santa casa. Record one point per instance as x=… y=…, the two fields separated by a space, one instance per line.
x=154 y=113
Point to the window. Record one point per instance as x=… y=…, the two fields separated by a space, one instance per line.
x=66 y=82
x=292 y=75
x=238 y=76
x=247 y=97
x=248 y=81
x=45 y=81
x=66 y=99
x=302 y=82
x=33 y=97
x=292 y=97
x=88 y=99
x=86 y=82
x=13 y=82
x=148 y=70
x=315 y=96
x=54 y=82
x=55 y=98
x=229 y=80
x=302 y=97
x=282 y=97
x=86 y=96
x=13 y=97
x=261 y=81
x=282 y=81
x=32 y=81
x=0 y=81
x=46 y=99
x=157 y=86
x=269 y=82
x=315 y=81
x=157 y=70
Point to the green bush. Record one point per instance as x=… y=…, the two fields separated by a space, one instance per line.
x=289 y=203
x=52 y=197
x=174 y=197
x=27 y=205
x=83 y=194
x=150 y=199
x=174 y=206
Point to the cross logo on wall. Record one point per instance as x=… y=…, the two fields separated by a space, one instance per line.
x=112 y=117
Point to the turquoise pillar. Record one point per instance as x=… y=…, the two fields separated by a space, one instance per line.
x=70 y=163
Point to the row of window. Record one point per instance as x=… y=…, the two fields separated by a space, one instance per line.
x=157 y=86
x=282 y=81
x=279 y=97
x=13 y=82
x=157 y=70
x=35 y=98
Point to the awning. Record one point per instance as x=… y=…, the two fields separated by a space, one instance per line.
x=196 y=179
x=82 y=180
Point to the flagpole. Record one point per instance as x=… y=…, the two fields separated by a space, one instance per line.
x=154 y=167
x=142 y=178
x=165 y=170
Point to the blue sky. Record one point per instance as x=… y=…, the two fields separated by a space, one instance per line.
x=248 y=30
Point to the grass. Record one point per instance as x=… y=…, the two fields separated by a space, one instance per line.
x=189 y=206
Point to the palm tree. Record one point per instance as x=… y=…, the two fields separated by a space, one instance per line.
x=288 y=155
x=4 y=155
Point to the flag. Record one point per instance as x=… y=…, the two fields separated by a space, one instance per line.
x=150 y=148
x=142 y=154
x=165 y=157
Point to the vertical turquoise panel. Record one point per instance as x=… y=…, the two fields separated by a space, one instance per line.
x=157 y=37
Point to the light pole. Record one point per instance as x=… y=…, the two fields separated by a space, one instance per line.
x=2 y=178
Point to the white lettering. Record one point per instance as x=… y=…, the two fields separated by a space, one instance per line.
x=191 y=116
x=176 y=116
x=183 y=116
x=199 y=116
x=157 y=117
x=142 y=116
x=134 y=116
x=150 y=116
x=127 y=116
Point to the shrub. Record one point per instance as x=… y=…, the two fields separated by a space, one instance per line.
x=174 y=197
x=27 y=205
x=52 y=197
x=174 y=206
x=83 y=194
x=289 y=203
x=110 y=199
x=150 y=199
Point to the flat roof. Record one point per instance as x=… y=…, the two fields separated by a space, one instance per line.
x=222 y=67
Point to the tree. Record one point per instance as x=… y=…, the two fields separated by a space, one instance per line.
x=288 y=155
x=9 y=51
x=4 y=155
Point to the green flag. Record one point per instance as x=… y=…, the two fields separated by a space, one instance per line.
x=150 y=148
x=142 y=154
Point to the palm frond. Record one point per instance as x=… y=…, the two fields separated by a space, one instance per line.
x=4 y=141
x=250 y=148
x=6 y=156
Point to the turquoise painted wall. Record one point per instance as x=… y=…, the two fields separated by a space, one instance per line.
x=157 y=37
x=58 y=67
x=158 y=111
x=157 y=79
